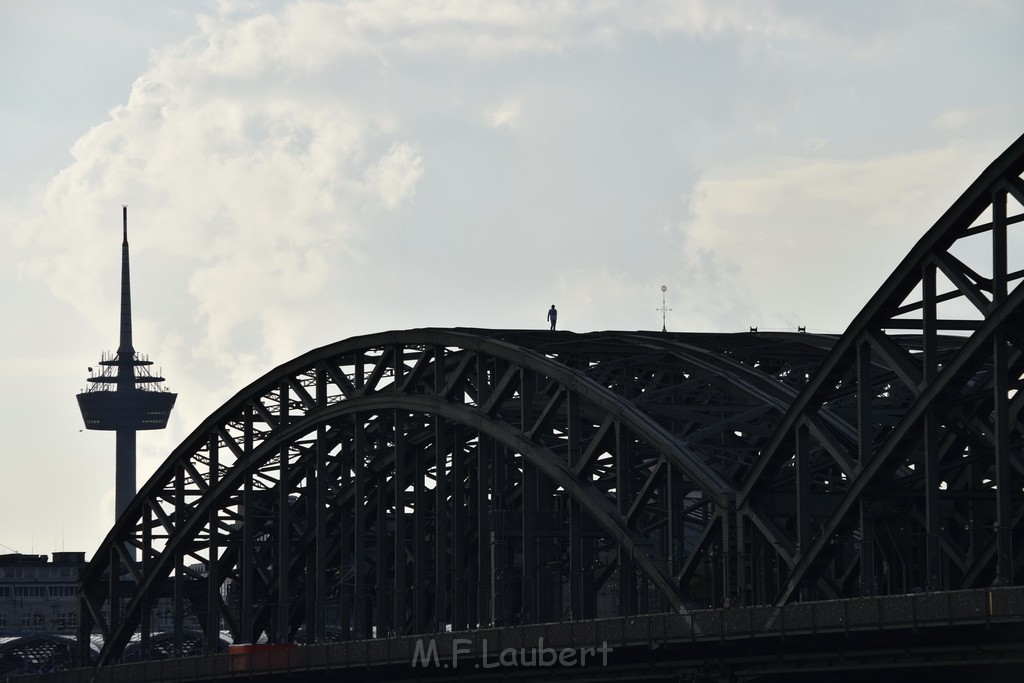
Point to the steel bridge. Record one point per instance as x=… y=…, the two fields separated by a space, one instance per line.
x=442 y=480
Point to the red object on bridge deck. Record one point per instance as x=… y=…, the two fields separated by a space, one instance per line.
x=268 y=657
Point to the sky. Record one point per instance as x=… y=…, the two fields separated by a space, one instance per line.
x=297 y=173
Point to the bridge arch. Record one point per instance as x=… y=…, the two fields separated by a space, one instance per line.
x=933 y=501
x=341 y=449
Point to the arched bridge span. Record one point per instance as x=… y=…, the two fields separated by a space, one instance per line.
x=436 y=479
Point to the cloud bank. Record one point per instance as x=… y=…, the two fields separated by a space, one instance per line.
x=301 y=172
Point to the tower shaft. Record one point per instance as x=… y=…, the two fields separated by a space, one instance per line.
x=124 y=470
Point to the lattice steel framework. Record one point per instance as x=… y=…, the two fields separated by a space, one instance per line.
x=409 y=482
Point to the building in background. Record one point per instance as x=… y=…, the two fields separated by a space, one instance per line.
x=38 y=611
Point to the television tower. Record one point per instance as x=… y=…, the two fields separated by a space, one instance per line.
x=122 y=395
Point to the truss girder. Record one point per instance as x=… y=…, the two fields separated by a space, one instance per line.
x=938 y=450
x=434 y=479
x=232 y=502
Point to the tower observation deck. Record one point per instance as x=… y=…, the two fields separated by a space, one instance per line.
x=123 y=395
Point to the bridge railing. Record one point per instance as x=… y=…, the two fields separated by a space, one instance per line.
x=892 y=612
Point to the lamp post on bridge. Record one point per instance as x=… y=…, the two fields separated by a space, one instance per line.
x=664 y=309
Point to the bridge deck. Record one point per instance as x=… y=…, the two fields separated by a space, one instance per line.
x=945 y=629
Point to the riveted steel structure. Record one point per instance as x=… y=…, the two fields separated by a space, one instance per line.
x=437 y=479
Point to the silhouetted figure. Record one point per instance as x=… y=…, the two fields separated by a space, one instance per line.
x=552 y=316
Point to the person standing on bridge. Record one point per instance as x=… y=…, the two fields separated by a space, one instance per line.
x=552 y=316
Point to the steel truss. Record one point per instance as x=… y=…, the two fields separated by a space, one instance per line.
x=425 y=480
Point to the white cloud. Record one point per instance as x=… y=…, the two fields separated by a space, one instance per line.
x=264 y=152
x=504 y=114
x=957 y=119
x=310 y=34
x=815 y=144
x=766 y=128
x=247 y=191
x=226 y=7
x=814 y=239
x=394 y=176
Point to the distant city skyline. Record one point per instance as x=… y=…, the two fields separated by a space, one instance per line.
x=301 y=172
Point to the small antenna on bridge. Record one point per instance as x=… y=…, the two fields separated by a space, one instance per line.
x=663 y=308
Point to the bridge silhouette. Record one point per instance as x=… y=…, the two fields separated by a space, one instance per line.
x=703 y=498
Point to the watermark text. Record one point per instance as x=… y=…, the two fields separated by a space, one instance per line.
x=466 y=652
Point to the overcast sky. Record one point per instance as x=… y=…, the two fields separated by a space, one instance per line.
x=297 y=173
